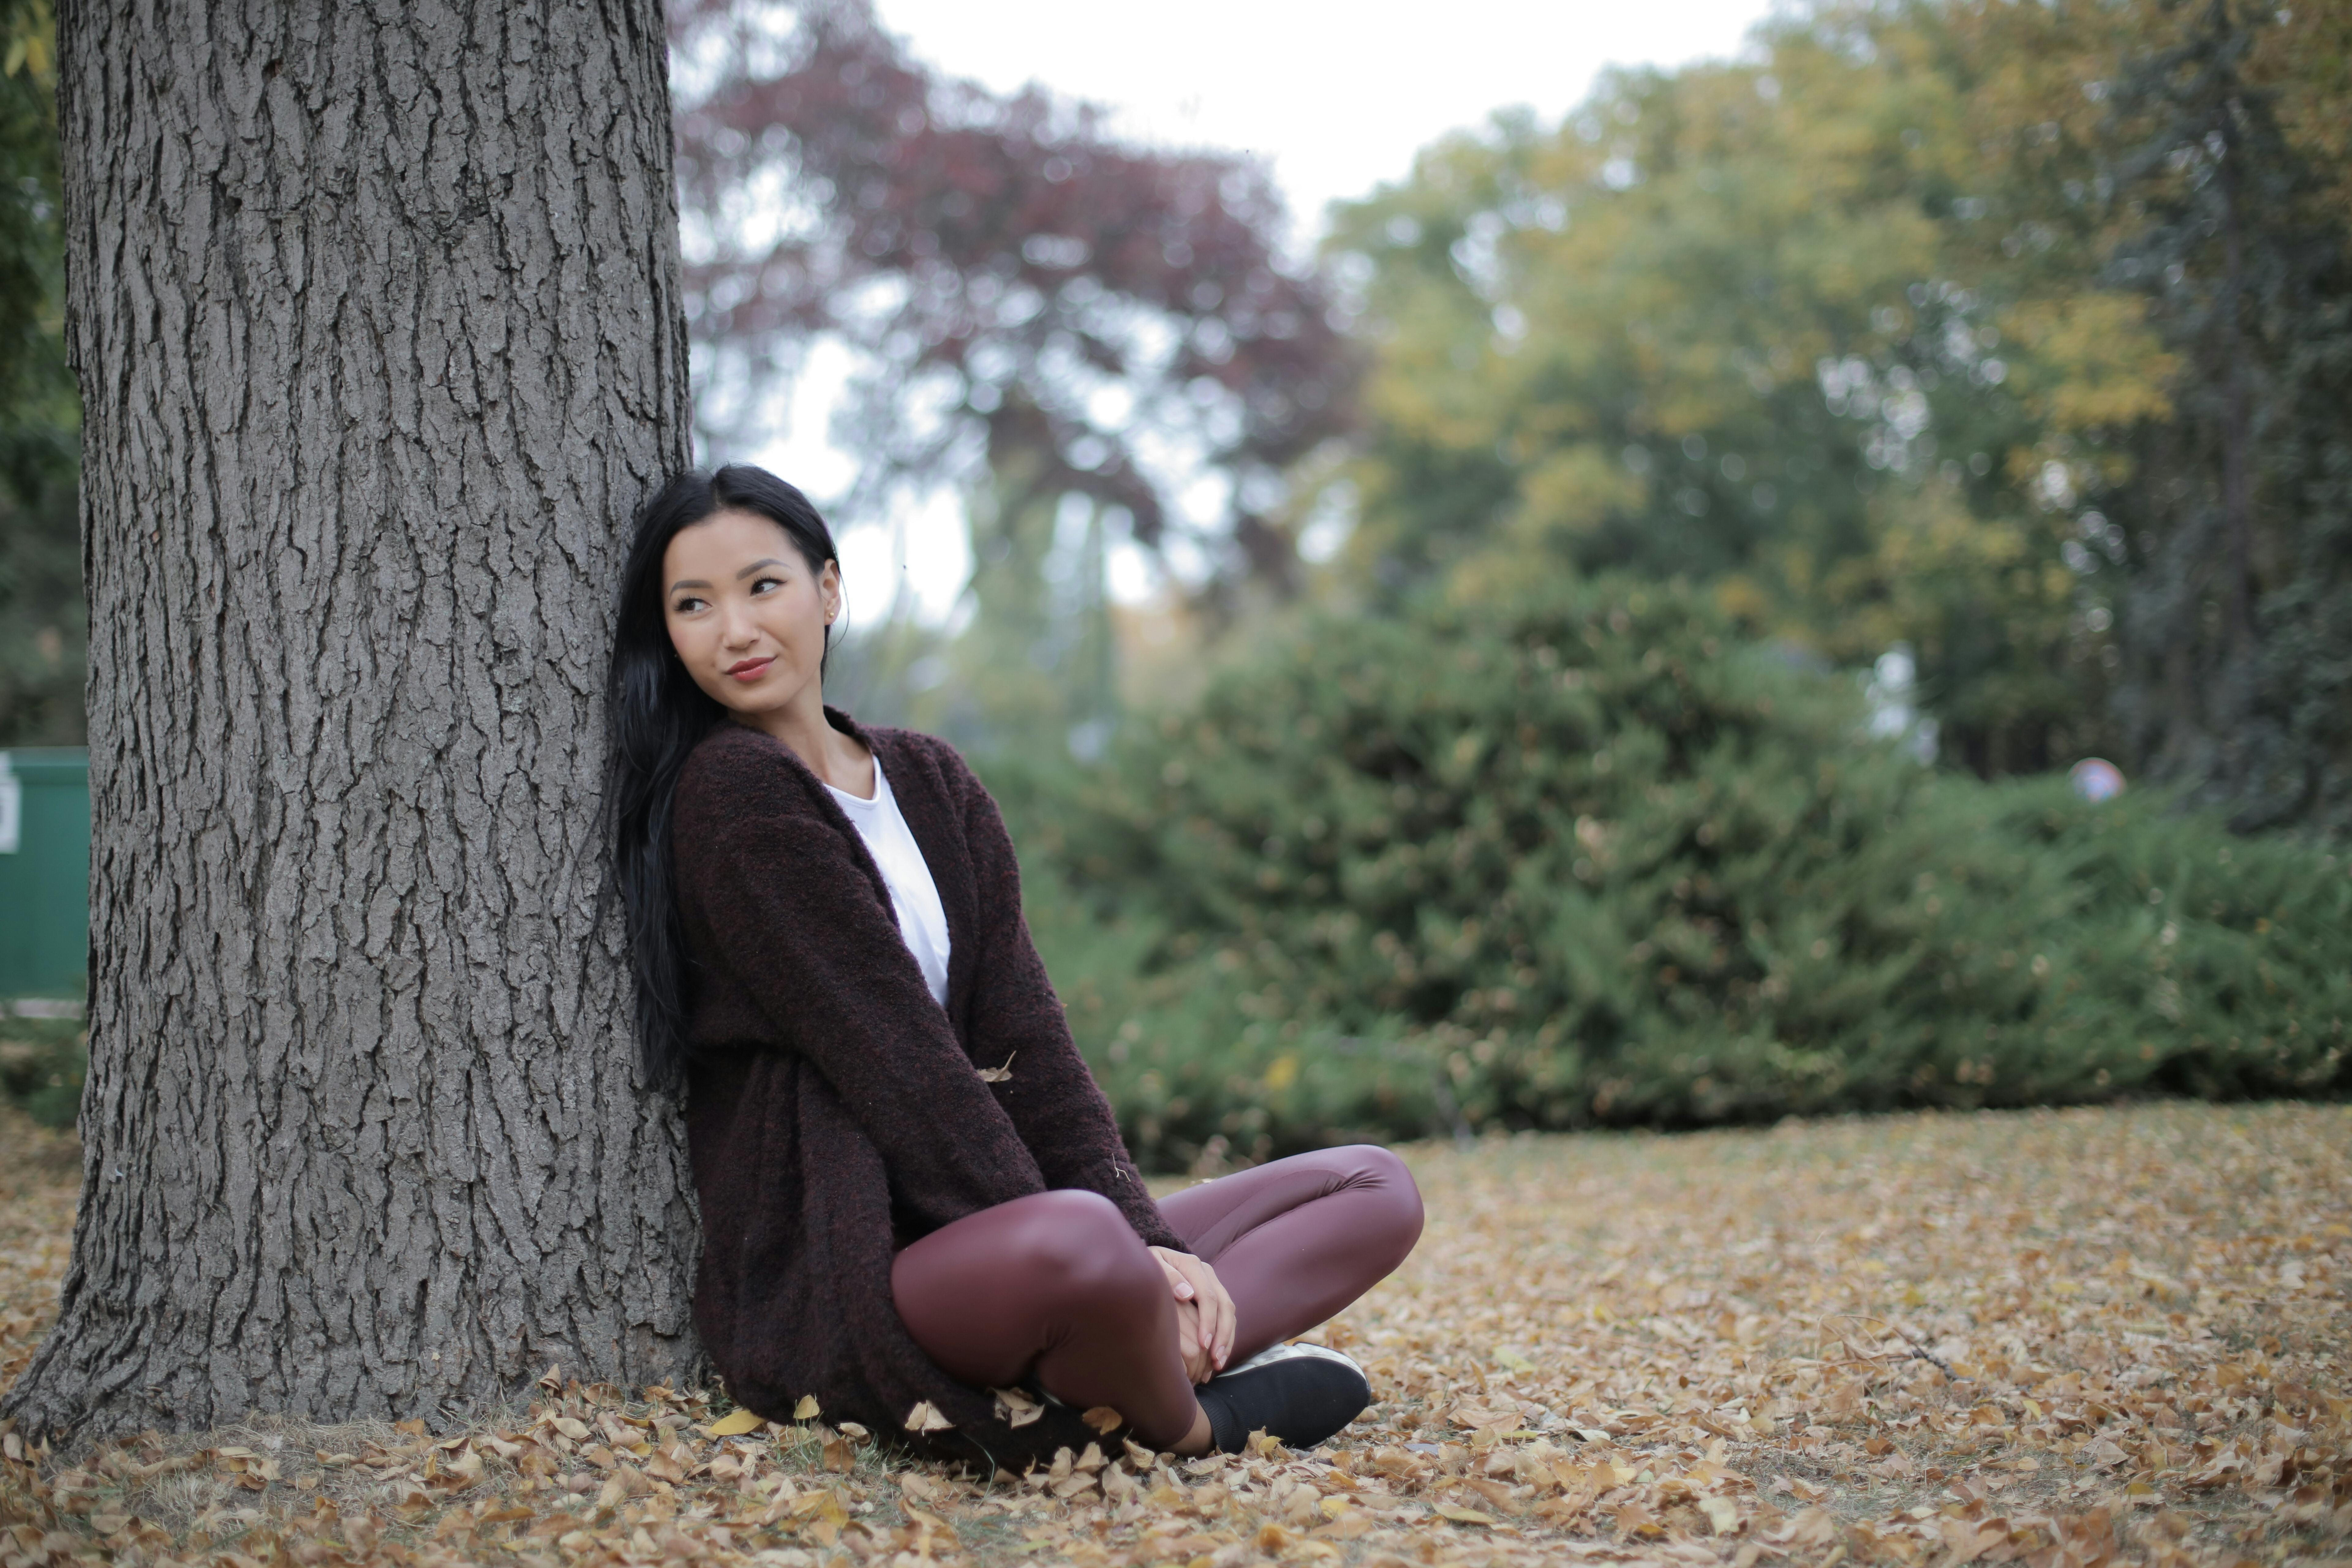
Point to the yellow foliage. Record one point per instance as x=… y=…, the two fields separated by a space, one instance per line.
x=1739 y=597
x=1571 y=490
x=32 y=45
x=2093 y=360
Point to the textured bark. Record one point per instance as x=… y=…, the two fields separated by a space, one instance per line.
x=377 y=314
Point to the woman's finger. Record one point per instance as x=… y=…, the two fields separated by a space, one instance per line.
x=1223 y=1310
x=1185 y=1347
x=1177 y=1281
x=1216 y=1316
x=1203 y=1329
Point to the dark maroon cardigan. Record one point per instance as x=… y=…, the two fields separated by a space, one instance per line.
x=833 y=1109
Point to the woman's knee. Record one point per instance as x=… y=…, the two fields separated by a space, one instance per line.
x=1076 y=1246
x=1397 y=1219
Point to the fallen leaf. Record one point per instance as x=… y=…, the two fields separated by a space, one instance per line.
x=1479 y=1417
x=926 y=1418
x=1104 y=1419
x=806 y=1409
x=736 y=1424
x=1015 y=1407
x=1715 y=1318
x=998 y=1075
x=1461 y=1515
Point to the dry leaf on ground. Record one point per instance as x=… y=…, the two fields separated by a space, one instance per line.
x=2056 y=1338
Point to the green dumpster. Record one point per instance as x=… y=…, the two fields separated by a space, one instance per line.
x=43 y=872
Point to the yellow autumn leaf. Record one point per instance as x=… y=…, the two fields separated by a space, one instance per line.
x=736 y=1424
x=1104 y=1419
x=926 y=1418
x=806 y=1409
x=1462 y=1515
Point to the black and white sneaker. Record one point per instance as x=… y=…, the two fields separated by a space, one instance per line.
x=1299 y=1394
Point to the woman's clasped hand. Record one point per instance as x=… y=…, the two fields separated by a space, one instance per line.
x=1205 y=1313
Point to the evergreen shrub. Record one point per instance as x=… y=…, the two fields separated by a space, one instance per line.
x=42 y=1064
x=1585 y=860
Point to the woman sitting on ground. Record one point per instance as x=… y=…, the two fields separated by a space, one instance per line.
x=913 y=1193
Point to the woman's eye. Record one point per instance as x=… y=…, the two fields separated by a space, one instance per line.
x=686 y=605
x=758 y=583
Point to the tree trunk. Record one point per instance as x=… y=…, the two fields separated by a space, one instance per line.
x=377 y=319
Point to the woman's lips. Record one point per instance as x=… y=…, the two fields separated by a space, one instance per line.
x=750 y=669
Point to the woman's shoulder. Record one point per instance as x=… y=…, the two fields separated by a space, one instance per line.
x=735 y=766
x=935 y=763
x=923 y=750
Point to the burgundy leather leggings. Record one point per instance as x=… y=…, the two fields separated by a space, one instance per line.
x=1058 y=1286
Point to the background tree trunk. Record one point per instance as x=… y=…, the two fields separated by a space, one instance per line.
x=377 y=320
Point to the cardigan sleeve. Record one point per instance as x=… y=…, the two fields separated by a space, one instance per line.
x=1055 y=1103
x=780 y=897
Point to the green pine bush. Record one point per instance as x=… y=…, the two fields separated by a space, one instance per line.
x=43 y=1062
x=1585 y=860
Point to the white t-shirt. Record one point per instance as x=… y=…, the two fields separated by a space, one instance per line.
x=922 y=922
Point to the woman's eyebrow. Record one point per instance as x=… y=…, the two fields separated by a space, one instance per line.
x=699 y=582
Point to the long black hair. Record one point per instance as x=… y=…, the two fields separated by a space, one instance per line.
x=654 y=716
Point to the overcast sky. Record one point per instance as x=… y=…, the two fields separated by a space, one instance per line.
x=1336 y=97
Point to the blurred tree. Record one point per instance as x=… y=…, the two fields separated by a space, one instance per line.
x=43 y=628
x=1037 y=310
x=1849 y=333
x=2238 y=624
x=1707 y=327
x=2162 y=213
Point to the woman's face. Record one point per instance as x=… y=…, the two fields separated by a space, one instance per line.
x=745 y=613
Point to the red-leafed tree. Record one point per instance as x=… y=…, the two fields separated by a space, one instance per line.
x=1032 y=301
